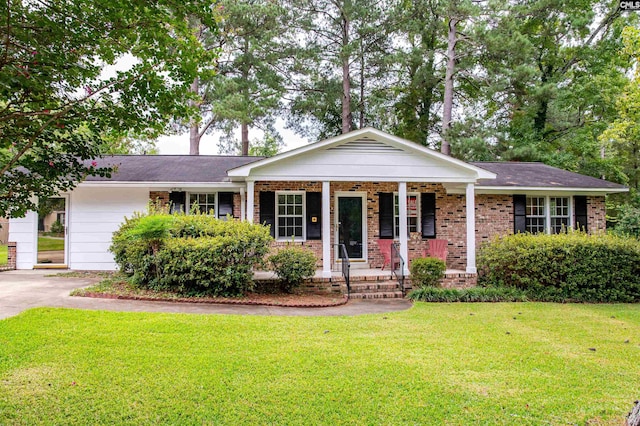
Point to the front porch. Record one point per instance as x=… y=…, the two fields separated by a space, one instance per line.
x=371 y=283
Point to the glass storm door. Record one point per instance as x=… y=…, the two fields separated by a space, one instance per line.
x=350 y=225
x=52 y=227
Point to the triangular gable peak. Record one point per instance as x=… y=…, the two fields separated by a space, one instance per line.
x=362 y=155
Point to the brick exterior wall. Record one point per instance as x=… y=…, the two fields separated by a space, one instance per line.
x=11 y=255
x=596 y=214
x=159 y=198
x=494 y=216
x=450 y=217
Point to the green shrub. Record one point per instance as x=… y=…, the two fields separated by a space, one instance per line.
x=196 y=254
x=427 y=272
x=566 y=267
x=293 y=265
x=474 y=294
x=57 y=227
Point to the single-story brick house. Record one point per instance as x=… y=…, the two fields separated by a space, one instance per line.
x=355 y=188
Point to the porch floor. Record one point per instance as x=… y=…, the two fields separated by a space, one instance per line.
x=354 y=274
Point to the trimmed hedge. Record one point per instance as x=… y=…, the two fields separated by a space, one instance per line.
x=474 y=294
x=566 y=267
x=195 y=253
x=427 y=272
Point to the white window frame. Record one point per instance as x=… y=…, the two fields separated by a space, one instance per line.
x=397 y=217
x=568 y=216
x=544 y=215
x=304 y=215
x=215 y=194
x=547 y=211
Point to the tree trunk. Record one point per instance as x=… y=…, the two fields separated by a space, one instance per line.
x=362 y=102
x=448 y=85
x=245 y=138
x=346 y=83
x=633 y=418
x=194 y=129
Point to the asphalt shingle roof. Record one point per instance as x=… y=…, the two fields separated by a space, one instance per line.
x=171 y=168
x=518 y=174
x=213 y=168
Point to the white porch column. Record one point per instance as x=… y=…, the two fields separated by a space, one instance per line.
x=471 y=228
x=243 y=206
x=326 y=230
x=402 y=214
x=250 y=201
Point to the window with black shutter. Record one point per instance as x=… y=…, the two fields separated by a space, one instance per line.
x=225 y=204
x=314 y=215
x=428 y=219
x=268 y=210
x=177 y=200
x=519 y=214
x=580 y=212
x=385 y=215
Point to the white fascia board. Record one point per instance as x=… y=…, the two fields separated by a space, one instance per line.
x=120 y=184
x=245 y=171
x=538 y=190
x=359 y=179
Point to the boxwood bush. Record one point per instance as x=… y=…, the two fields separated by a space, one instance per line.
x=566 y=267
x=293 y=265
x=194 y=253
x=427 y=272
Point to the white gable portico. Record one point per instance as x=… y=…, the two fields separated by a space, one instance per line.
x=366 y=156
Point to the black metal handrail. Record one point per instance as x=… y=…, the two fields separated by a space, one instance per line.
x=346 y=266
x=396 y=259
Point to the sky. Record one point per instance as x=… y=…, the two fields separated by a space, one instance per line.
x=179 y=144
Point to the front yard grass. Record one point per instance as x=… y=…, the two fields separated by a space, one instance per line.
x=3 y=254
x=503 y=363
x=50 y=243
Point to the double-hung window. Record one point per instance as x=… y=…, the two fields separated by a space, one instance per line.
x=413 y=214
x=290 y=215
x=206 y=202
x=536 y=215
x=548 y=214
x=559 y=214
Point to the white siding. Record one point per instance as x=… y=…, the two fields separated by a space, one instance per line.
x=95 y=213
x=22 y=231
x=338 y=164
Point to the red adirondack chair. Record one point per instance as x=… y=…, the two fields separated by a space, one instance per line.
x=437 y=249
x=385 y=249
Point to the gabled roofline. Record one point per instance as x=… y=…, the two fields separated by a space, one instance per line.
x=245 y=170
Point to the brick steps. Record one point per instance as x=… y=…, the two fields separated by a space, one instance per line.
x=381 y=288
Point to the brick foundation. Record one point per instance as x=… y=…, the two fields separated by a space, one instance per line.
x=11 y=255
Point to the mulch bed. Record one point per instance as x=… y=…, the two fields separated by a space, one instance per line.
x=300 y=299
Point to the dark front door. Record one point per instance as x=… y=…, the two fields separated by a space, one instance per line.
x=350 y=225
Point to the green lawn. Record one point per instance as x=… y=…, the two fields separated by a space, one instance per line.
x=50 y=244
x=3 y=254
x=528 y=363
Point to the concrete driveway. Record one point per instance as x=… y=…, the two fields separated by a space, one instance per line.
x=21 y=290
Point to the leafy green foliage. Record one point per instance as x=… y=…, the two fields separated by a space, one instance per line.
x=62 y=96
x=628 y=221
x=293 y=265
x=57 y=227
x=427 y=272
x=474 y=294
x=566 y=267
x=193 y=253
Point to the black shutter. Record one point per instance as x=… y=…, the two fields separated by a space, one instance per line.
x=580 y=212
x=268 y=210
x=178 y=201
x=385 y=216
x=314 y=210
x=519 y=213
x=428 y=207
x=225 y=204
